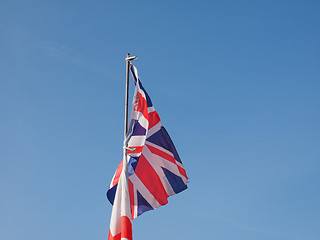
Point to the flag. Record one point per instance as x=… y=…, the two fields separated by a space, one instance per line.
x=120 y=224
x=154 y=168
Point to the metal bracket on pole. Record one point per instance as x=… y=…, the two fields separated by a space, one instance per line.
x=131 y=149
x=131 y=58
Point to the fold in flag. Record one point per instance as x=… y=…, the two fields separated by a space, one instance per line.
x=154 y=170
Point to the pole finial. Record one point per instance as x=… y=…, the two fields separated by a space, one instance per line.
x=129 y=58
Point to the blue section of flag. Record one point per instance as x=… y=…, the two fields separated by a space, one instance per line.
x=138 y=130
x=111 y=193
x=162 y=139
x=149 y=103
x=135 y=78
x=143 y=205
x=176 y=182
x=132 y=164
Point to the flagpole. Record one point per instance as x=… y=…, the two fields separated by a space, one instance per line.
x=126 y=96
x=128 y=59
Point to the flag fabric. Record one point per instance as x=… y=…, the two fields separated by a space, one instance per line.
x=120 y=224
x=154 y=168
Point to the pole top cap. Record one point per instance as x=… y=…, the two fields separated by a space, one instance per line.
x=130 y=58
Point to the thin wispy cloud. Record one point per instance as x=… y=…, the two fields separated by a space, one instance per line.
x=247 y=228
x=61 y=52
x=65 y=54
x=14 y=33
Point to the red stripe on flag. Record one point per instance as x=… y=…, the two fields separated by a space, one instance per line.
x=142 y=106
x=153 y=118
x=138 y=149
x=126 y=230
x=162 y=154
x=182 y=171
x=117 y=174
x=116 y=237
x=167 y=157
x=151 y=180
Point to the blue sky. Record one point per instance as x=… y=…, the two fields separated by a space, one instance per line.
x=236 y=84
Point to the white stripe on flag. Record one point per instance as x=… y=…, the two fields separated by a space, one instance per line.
x=144 y=191
x=136 y=141
x=166 y=151
x=121 y=205
x=154 y=129
x=157 y=163
x=151 y=109
x=141 y=119
x=160 y=148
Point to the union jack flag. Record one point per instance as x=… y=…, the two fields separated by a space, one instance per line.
x=154 y=168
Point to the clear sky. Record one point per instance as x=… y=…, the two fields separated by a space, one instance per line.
x=236 y=84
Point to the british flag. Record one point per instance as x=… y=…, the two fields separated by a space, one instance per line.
x=154 y=168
